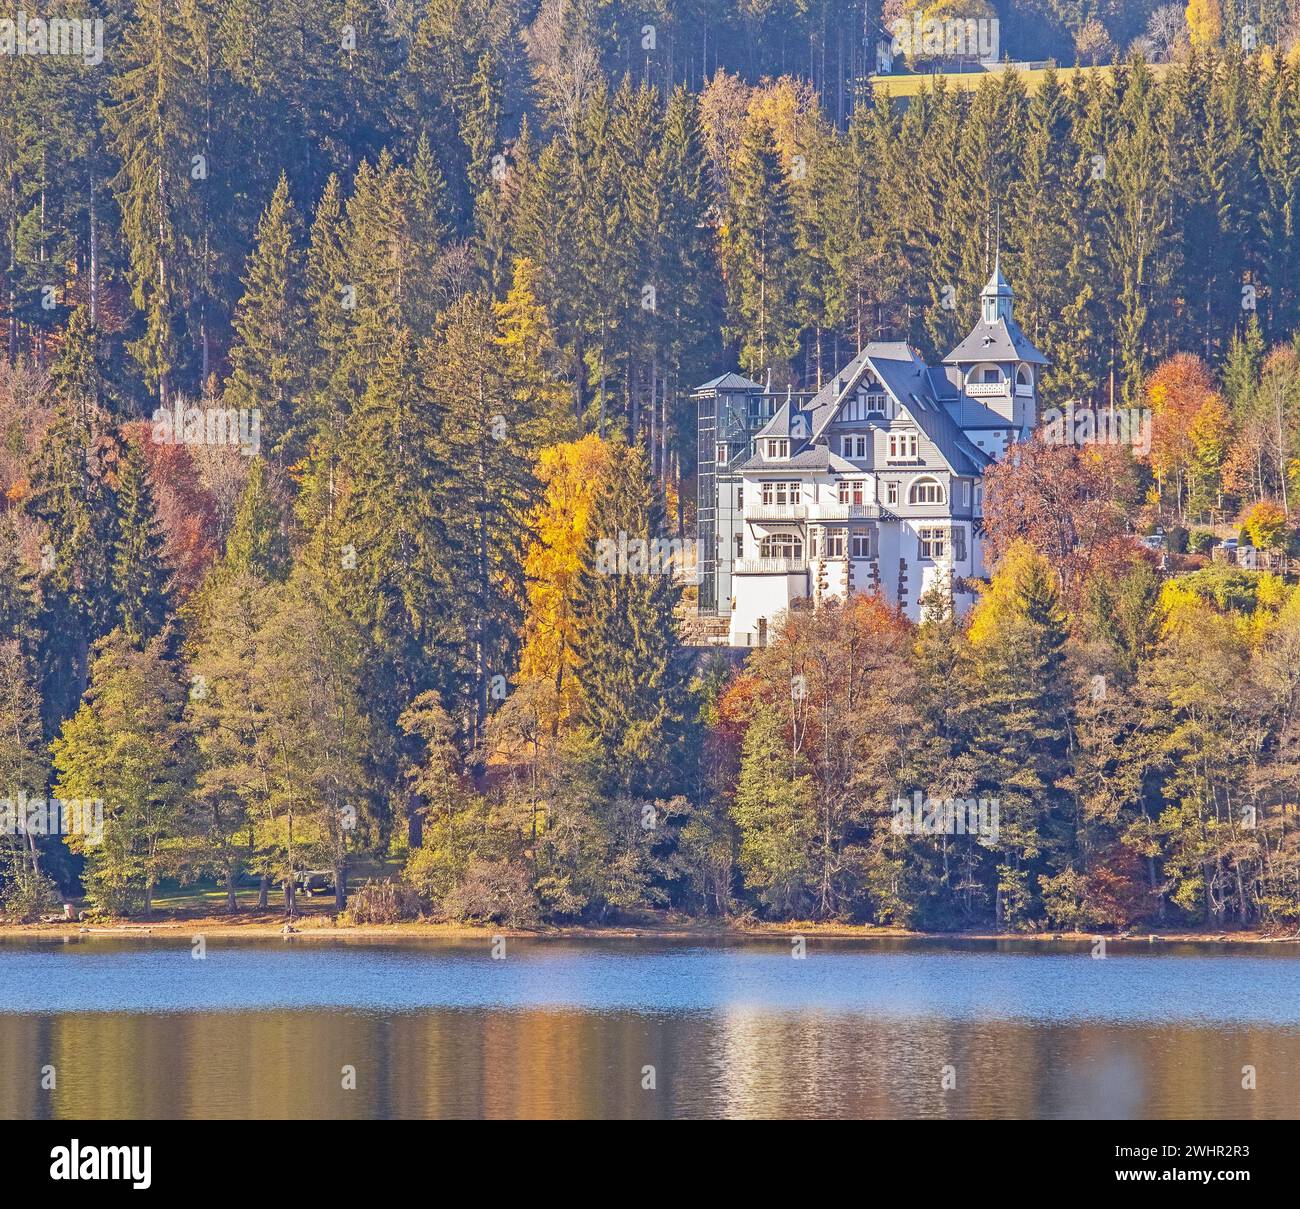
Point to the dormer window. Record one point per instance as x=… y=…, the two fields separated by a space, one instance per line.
x=778 y=450
x=902 y=447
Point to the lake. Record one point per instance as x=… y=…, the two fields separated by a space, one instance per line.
x=138 y=1028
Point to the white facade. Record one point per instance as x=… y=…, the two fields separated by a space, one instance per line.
x=876 y=484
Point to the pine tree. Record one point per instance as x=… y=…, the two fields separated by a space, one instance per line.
x=775 y=815
x=268 y=360
x=1020 y=719
x=140 y=577
x=153 y=124
x=24 y=889
x=71 y=496
x=126 y=747
x=631 y=664
x=258 y=544
x=759 y=255
x=493 y=440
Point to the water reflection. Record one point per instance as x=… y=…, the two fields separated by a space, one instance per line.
x=747 y=1054
x=740 y=1063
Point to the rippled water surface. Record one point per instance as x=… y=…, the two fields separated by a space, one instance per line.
x=266 y=1028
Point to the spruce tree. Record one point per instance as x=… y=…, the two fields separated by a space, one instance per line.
x=760 y=255
x=632 y=668
x=268 y=359
x=140 y=576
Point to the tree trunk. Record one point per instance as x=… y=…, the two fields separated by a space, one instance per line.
x=263 y=893
x=340 y=886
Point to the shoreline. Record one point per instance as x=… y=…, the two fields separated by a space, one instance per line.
x=271 y=925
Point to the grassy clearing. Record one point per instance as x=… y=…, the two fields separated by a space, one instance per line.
x=904 y=86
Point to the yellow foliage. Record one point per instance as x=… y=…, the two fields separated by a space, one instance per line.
x=571 y=473
x=1001 y=603
x=1204 y=22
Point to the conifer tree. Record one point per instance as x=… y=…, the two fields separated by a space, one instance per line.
x=1020 y=717
x=268 y=359
x=775 y=815
x=631 y=664
x=759 y=255
x=24 y=889
x=126 y=746
x=140 y=576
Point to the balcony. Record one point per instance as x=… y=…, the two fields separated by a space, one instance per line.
x=832 y=511
x=987 y=390
x=770 y=566
x=776 y=512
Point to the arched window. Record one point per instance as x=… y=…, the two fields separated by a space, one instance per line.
x=926 y=491
x=1022 y=376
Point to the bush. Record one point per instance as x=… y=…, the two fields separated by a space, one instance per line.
x=1201 y=541
x=385 y=902
x=1176 y=539
x=29 y=897
x=492 y=892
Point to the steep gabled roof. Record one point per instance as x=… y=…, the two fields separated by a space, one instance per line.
x=814 y=457
x=910 y=381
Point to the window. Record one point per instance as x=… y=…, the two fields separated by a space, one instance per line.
x=860 y=544
x=780 y=493
x=778 y=450
x=740 y=496
x=926 y=491
x=902 y=446
x=876 y=403
x=1022 y=376
x=891 y=493
x=853 y=491
x=992 y=375
x=781 y=545
x=959 y=543
x=834 y=543
x=855 y=447
x=965 y=493
x=722 y=451
x=932 y=543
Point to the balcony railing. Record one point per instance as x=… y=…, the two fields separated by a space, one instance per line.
x=833 y=511
x=986 y=390
x=776 y=512
x=770 y=566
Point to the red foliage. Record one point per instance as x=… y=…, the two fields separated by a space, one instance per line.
x=1065 y=501
x=187 y=511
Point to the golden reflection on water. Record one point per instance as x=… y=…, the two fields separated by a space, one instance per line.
x=737 y=1062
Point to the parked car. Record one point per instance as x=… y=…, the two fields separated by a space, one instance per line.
x=1229 y=543
x=316 y=881
x=1153 y=541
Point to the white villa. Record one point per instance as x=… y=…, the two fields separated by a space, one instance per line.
x=875 y=483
